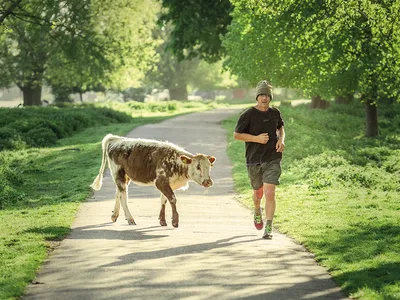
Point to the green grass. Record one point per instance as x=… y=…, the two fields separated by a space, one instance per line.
x=42 y=189
x=339 y=195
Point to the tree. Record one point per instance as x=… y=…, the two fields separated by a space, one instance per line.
x=169 y=73
x=125 y=28
x=197 y=27
x=76 y=43
x=328 y=49
x=174 y=75
x=211 y=77
x=7 y=8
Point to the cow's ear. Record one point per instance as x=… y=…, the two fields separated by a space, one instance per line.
x=186 y=159
x=212 y=159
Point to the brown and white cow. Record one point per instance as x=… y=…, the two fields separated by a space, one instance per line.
x=150 y=162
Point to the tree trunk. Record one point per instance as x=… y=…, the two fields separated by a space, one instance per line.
x=371 y=128
x=317 y=102
x=80 y=96
x=178 y=93
x=32 y=95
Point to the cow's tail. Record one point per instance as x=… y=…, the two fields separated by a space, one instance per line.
x=98 y=182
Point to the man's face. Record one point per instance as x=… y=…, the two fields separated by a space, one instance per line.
x=263 y=100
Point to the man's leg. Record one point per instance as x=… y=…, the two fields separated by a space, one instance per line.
x=270 y=205
x=270 y=201
x=257 y=196
x=255 y=177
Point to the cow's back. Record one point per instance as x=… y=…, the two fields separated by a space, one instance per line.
x=143 y=160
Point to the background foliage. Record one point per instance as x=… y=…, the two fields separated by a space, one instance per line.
x=197 y=27
x=76 y=44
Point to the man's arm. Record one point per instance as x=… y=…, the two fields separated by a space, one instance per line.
x=280 y=145
x=246 y=137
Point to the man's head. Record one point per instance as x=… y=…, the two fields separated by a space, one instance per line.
x=263 y=88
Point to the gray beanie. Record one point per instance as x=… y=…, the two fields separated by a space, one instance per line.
x=263 y=88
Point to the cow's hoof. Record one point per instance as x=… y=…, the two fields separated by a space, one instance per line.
x=131 y=222
x=114 y=218
x=163 y=223
x=175 y=225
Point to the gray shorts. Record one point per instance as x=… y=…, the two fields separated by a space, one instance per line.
x=267 y=172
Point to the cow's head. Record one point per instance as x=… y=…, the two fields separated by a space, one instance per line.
x=199 y=168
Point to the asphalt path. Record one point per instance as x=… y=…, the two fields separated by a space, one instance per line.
x=216 y=253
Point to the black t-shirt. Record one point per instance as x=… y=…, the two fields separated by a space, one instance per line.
x=255 y=122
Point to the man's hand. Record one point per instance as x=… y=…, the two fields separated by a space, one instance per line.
x=280 y=146
x=262 y=138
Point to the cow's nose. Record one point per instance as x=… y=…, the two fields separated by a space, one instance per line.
x=207 y=183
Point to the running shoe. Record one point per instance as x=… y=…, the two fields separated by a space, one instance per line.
x=267 y=232
x=258 y=222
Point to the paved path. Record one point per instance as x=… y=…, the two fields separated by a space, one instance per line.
x=216 y=253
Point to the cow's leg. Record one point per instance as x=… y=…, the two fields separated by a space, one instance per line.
x=124 y=204
x=121 y=180
x=163 y=186
x=117 y=206
x=115 y=171
x=161 y=217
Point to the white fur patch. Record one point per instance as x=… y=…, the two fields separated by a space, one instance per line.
x=151 y=183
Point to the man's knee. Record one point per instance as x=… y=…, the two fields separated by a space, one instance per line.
x=269 y=190
x=259 y=193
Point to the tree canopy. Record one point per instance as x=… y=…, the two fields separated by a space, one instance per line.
x=77 y=43
x=197 y=27
x=326 y=48
x=174 y=75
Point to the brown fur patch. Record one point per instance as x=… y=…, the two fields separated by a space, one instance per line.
x=121 y=180
x=140 y=162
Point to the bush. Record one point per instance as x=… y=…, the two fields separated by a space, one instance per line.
x=41 y=137
x=10 y=139
x=172 y=106
x=43 y=126
x=136 y=105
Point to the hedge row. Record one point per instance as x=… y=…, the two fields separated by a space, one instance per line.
x=27 y=127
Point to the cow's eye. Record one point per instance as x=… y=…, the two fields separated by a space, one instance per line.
x=198 y=167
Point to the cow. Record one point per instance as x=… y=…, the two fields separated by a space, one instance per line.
x=164 y=165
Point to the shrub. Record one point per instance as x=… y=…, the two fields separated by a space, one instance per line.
x=136 y=105
x=42 y=126
x=172 y=106
x=41 y=137
x=8 y=138
x=356 y=175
